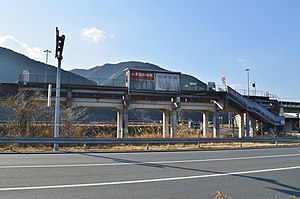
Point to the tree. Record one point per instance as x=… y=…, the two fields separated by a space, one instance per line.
x=22 y=110
x=69 y=117
x=28 y=116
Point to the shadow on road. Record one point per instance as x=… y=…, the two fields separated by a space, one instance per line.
x=293 y=191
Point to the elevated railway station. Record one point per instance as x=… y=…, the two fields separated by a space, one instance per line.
x=157 y=90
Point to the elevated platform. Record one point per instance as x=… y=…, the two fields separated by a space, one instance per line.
x=169 y=103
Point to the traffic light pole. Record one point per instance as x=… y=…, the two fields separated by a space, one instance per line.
x=58 y=54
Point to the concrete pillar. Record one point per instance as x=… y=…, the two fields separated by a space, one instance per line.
x=119 y=124
x=166 y=119
x=261 y=128
x=125 y=123
x=253 y=127
x=241 y=124
x=216 y=128
x=275 y=130
x=247 y=124
x=174 y=122
x=69 y=98
x=205 y=123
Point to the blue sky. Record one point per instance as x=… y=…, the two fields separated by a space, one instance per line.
x=205 y=38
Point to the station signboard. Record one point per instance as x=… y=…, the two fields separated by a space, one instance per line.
x=137 y=79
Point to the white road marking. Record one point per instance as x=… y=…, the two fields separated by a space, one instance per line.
x=146 y=180
x=134 y=162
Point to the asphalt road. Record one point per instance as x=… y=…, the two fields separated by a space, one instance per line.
x=249 y=173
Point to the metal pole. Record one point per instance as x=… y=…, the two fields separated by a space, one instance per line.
x=248 y=79
x=298 y=116
x=233 y=124
x=57 y=104
x=247 y=112
x=46 y=51
x=58 y=54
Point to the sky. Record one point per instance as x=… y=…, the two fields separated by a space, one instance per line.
x=208 y=39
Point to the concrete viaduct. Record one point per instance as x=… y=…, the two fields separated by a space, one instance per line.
x=170 y=104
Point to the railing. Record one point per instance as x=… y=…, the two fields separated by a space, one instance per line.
x=90 y=81
x=187 y=87
x=142 y=140
x=255 y=107
x=238 y=96
x=290 y=104
x=73 y=80
x=253 y=92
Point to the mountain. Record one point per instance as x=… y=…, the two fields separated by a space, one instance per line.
x=113 y=71
x=13 y=63
x=114 y=74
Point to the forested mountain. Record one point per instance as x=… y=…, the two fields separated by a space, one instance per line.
x=13 y=63
x=108 y=72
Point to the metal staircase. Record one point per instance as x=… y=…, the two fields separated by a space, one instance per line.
x=254 y=108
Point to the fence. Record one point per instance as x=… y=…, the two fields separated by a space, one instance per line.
x=73 y=80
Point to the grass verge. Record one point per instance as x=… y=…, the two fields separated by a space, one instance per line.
x=127 y=147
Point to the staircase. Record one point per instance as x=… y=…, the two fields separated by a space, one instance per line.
x=254 y=108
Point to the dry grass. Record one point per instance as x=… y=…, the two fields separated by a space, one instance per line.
x=220 y=195
x=143 y=147
x=140 y=131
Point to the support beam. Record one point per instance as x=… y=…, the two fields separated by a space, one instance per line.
x=166 y=119
x=247 y=124
x=174 y=122
x=261 y=129
x=216 y=128
x=119 y=124
x=241 y=124
x=205 y=123
x=253 y=127
x=125 y=123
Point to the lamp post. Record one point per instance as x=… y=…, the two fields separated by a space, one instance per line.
x=247 y=112
x=248 y=75
x=47 y=52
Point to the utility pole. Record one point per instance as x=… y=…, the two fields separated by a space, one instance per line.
x=60 y=40
x=46 y=67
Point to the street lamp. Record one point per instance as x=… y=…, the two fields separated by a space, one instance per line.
x=247 y=112
x=248 y=74
x=46 y=51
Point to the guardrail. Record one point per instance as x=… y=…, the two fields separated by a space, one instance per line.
x=143 y=140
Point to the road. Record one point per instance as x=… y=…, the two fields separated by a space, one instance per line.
x=248 y=173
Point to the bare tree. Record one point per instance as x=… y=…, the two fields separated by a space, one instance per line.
x=69 y=117
x=22 y=110
x=29 y=116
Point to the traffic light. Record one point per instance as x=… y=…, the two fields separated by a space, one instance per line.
x=60 y=40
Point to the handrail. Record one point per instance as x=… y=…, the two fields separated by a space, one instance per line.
x=256 y=108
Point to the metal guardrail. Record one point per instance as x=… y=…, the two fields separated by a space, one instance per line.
x=290 y=104
x=142 y=140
